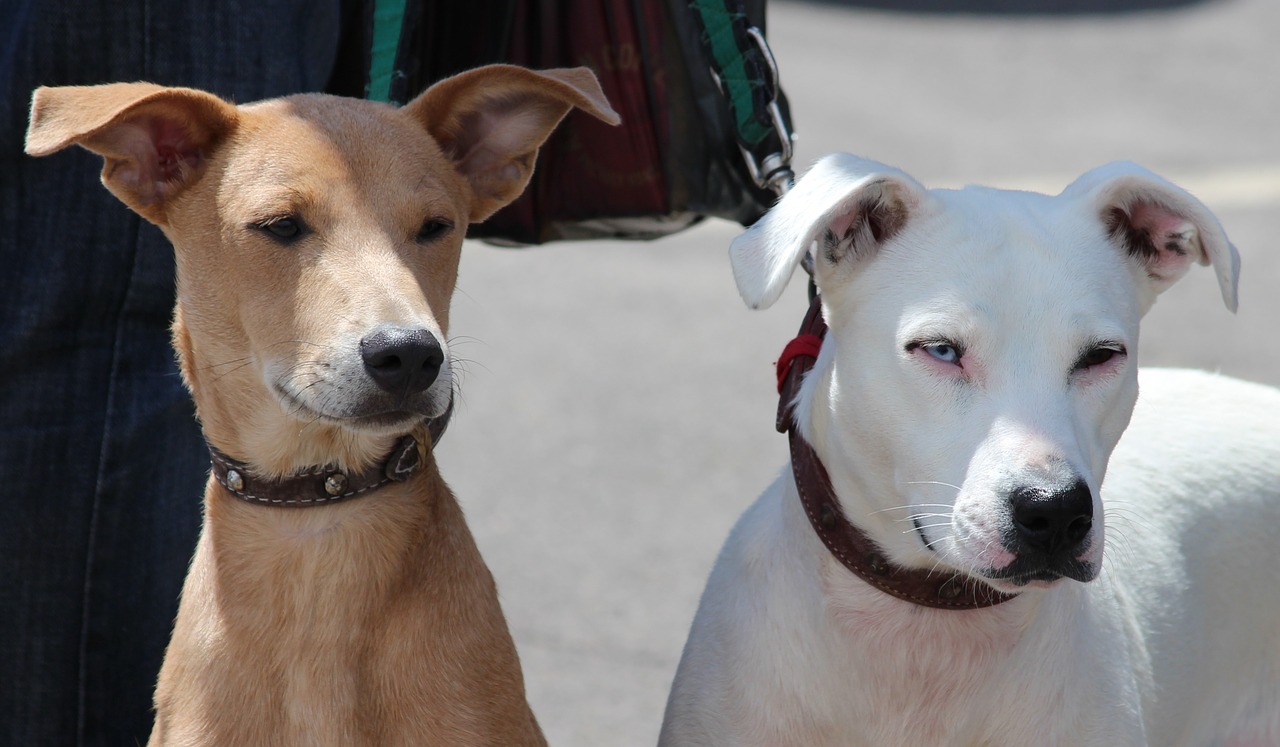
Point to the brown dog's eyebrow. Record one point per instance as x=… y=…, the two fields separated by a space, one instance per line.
x=276 y=201
x=429 y=182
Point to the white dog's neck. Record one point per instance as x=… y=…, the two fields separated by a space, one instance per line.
x=864 y=484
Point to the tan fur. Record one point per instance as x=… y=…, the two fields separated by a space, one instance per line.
x=368 y=622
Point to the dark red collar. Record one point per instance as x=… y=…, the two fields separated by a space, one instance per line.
x=849 y=544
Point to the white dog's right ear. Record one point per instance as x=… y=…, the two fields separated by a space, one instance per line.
x=850 y=204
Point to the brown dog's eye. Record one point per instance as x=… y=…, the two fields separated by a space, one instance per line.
x=284 y=229
x=433 y=229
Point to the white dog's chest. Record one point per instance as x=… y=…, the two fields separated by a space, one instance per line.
x=961 y=678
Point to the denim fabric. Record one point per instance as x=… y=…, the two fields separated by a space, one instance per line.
x=101 y=462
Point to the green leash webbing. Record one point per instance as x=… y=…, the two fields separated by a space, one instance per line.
x=388 y=21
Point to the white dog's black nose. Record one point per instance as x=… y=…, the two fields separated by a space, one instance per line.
x=1051 y=522
x=400 y=359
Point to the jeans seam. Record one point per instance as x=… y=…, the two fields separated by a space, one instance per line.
x=86 y=611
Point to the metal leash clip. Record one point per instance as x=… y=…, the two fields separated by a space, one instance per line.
x=772 y=171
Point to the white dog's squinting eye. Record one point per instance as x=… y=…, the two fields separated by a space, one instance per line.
x=1099 y=355
x=941 y=350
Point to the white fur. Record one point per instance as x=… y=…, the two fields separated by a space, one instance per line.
x=1174 y=639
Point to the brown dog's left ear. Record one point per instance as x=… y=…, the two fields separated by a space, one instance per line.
x=153 y=139
x=491 y=121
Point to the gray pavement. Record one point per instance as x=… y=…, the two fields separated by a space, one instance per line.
x=617 y=400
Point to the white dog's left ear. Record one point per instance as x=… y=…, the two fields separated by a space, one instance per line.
x=853 y=204
x=1160 y=225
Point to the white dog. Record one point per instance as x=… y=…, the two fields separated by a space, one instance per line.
x=971 y=393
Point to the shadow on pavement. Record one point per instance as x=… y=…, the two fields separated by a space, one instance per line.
x=1017 y=7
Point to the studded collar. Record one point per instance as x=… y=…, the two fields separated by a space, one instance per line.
x=315 y=486
x=324 y=485
x=849 y=544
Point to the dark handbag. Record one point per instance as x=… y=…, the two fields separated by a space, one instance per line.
x=705 y=128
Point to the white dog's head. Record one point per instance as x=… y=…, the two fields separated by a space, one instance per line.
x=980 y=366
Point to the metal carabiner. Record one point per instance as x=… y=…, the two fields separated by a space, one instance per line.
x=772 y=172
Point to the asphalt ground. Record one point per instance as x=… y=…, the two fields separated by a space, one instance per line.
x=618 y=397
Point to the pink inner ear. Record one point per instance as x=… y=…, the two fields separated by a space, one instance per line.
x=841 y=223
x=148 y=156
x=1168 y=230
x=176 y=155
x=1162 y=239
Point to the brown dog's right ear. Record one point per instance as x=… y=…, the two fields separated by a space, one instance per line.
x=154 y=140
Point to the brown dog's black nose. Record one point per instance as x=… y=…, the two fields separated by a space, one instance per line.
x=1052 y=522
x=402 y=360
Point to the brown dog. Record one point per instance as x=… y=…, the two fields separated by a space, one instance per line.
x=317 y=243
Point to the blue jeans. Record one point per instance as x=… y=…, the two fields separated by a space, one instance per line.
x=101 y=462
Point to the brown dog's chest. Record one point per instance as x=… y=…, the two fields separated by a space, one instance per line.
x=336 y=632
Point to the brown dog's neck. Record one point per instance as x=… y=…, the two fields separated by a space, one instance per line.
x=375 y=520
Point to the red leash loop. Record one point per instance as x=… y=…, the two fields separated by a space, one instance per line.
x=802 y=345
x=797 y=359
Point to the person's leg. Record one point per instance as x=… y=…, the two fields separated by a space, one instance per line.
x=101 y=463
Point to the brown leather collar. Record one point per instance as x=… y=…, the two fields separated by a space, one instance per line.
x=849 y=544
x=325 y=485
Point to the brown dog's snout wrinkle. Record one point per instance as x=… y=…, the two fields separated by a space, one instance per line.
x=402 y=360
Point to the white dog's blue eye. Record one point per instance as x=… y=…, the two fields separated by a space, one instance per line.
x=945 y=352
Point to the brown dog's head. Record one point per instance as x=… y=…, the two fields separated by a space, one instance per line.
x=317 y=240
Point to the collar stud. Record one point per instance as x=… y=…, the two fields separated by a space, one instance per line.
x=335 y=484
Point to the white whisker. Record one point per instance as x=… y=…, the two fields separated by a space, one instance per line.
x=933 y=482
x=916 y=517
x=908 y=507
x=923 y=527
